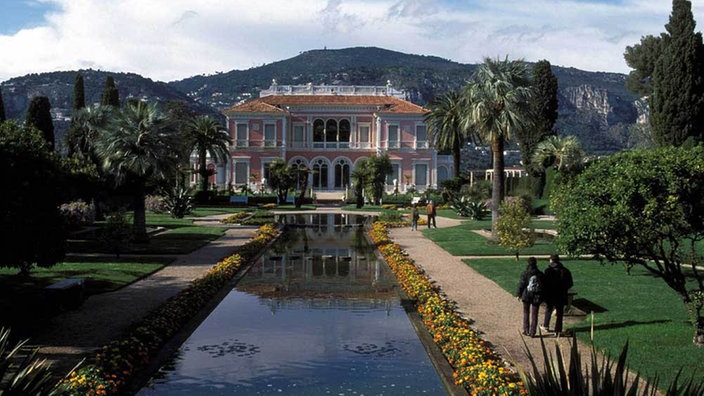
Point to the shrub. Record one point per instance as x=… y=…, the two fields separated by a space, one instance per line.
x=155 y=204
x=77 y=213
x=179 y=202
x=391 y=216
x=116 y=233
x=235 y=218
x=466 y=207
x=513 y=227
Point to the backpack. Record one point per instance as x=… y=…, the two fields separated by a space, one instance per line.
x=534 y=285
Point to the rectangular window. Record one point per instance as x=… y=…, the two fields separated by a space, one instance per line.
x=270 y=135
x=242 y=136
x=393 y=141
x=421 y=179
x=363 y=138
x=298 y=136
x=395 y=175
x=421 y=136
x=241 y=172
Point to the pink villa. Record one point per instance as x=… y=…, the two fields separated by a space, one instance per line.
x=329 y=129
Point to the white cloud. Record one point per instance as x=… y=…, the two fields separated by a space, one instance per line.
x=173 y=39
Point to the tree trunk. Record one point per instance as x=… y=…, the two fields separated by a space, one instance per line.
x=202 y=171
x=139 y=225
x=497 y=188
x=457 y=157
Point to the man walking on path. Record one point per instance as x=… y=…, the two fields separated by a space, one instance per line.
x=530 y=293
x=430 y=211
x=557 y=281
x=414 y=217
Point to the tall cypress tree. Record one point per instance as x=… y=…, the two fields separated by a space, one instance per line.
x=111 y=96
x=79 y=94
x=676 y=85
x=39 y=116
x=544 y=110
x=2 y=108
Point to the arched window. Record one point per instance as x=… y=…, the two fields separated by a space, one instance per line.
x=331 y=133
x=320 y=174
x=318 y=133
x=344 y=135
x=342 y=173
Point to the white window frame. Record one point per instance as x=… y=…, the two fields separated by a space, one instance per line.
x=298 y=143
x=241 y=142
x=360 y=142
x=421 y=144
x=393 y=144
x=427 y=173
x=269 y=142
x=247 y=163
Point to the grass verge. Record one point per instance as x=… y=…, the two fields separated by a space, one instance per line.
x=637 y=308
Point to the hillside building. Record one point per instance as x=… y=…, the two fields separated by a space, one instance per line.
x=329 y=129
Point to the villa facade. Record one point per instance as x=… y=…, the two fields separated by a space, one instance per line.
x=329 y=129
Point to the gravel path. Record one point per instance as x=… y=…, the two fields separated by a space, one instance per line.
x=76 y=334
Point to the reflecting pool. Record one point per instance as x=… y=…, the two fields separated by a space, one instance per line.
x=318 y=314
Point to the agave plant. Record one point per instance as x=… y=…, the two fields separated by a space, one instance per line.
x=600 y=377
x=23 y=375
x=467 y=207
x=179 y=202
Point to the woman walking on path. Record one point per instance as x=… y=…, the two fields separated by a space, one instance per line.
x=558 y=281
x=530 y=293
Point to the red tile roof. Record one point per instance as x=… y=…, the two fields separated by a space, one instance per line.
x=274 y=103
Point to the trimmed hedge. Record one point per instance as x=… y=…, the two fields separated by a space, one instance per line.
x=118 y=361
x=477 y=367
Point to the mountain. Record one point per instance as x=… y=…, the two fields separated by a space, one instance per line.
x=596 y=107
x=58 y=87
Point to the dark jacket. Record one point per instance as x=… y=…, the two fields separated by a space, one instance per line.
x=522 y=291
x=558 y=280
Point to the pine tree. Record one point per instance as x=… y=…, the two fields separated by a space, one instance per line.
x=39 y=116
x=671 y=69
x=79 y=94
x=111 y=96
x=543 y=104
x=2 y=109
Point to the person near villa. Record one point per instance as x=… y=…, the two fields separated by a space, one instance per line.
x=414 y=217
x=430 y=211
x=530 y=293
x=558 y=281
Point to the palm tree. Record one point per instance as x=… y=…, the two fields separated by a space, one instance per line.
x=209 y=138
x=565 y=154
x=498 y=108
x=140 y=146
x=86 y=125
x=446 y=126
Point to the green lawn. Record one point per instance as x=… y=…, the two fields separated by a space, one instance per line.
x=636 y=308
x=461 y=240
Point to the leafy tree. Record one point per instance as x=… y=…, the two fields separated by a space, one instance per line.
x=513 y=228
x=209 y=138
x=281 y=179
x=563 y=154
x=642 y=207
x=446 y=127
x=2 y=108
x=301 y=175
x=39 y=116
x=86 y=125
x=671 y=69
x=79 y=93
x=111 y=96
x=29 y=205
x=498 y=108
x=543 y=105
x=139 y=147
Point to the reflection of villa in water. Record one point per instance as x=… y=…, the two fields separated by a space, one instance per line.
x=320 y=255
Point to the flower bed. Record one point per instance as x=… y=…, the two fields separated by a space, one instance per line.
x=477 y=367
x=118 y=361
x=236 y=218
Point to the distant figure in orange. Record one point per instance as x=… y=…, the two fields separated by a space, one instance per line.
x=430 y=211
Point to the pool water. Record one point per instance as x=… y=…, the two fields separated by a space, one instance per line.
x=318 y=314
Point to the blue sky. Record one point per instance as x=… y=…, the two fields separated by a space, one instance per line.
x=173 y=39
